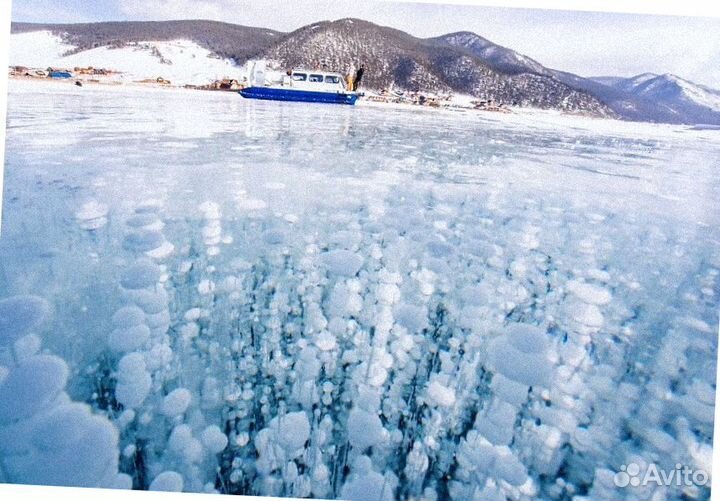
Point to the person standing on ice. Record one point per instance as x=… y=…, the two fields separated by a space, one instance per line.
x=358 y=77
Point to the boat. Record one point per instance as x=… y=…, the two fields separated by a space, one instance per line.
x=310 y=86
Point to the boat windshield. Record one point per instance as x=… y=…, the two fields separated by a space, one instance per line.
x=316 y=78
x=299 y=77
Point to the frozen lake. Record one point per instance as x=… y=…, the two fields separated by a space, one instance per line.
x=437 y=304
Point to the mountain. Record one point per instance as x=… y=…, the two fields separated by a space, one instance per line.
x=230 y=41
x=497 y=56
x=396 y=59
x=624 y=96
x=461 y=62
x=699 y=102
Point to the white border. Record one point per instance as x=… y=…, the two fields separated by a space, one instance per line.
x=701 y=8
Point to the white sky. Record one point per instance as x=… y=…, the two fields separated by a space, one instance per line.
x=587 y=43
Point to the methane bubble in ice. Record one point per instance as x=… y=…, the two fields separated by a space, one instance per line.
x=19 y=315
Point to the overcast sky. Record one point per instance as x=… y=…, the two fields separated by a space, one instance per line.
x=586 y=43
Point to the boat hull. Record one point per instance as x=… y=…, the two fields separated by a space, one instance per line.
x=274 y=94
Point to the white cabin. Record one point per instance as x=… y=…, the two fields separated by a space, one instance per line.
x=314 y=80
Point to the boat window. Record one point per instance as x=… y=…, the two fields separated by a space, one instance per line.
x=299 y=77
x=315 y=78
x=332 y=79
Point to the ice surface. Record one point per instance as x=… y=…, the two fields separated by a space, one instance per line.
x=360 y=302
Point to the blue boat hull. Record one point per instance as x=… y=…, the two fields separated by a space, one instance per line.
x=275 y=94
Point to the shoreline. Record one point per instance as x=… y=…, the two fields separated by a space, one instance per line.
x=522 y=115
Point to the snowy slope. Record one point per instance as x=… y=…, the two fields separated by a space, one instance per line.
x=36 y=49
x=694 y=102
x=673 y=89
x=180 y=61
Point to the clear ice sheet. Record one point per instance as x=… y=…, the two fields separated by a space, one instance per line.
x=370 y=303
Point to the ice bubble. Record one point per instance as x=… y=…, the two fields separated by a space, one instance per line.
x=31 y=386
x=599 y=275
x=697 y=324
x=274 y=237
x=589 y=293
x=159 y=356
x=92 y=215
x=159 y=320
x=167 y=481
x=413 y=318
x=520 y=355
x=371 y=486
x=365 y=429
x=292 y=431
x=508 y=468
x=128 y=316
x=91 y=209
x=508 y=390
x=214 y=439
x=388 y=293
x=162 y=252
x=128 y=339
x=93 y=224
x=251 y=204
x=342 y=262
x=19 y=315
x=73 y=448
x=176 y=402
x=349 y=240
x=143 y=241
x=27 y=346
x=141 y=275
x=182 y=443
x=134 y=382
x=212 y=230
x=147 y=221
x=151 y=302
x=442 y=395
x=210 y=210
x=63 y=427
x=122 y=481
x=527 y=338
x=149 y=207
x=587 y=315
x=325 y=341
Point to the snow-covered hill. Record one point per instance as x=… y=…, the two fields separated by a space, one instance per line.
x=395 y=59
x=496 y=55
x=674 y=90
x=694 y=102
x=180 y=61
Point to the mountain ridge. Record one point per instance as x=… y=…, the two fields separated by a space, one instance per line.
x=460 y=62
